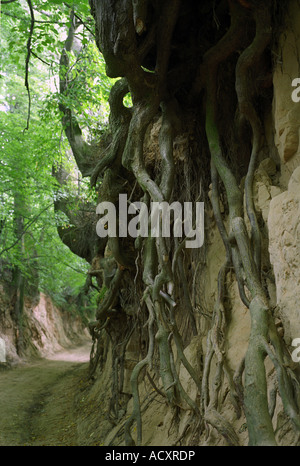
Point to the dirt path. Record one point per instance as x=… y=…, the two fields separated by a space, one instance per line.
x=38 y=402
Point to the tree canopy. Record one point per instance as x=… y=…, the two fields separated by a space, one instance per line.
x=33 y=142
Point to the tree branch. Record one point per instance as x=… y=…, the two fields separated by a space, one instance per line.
x=81 y=20
x=25 y=229
x=80 y=148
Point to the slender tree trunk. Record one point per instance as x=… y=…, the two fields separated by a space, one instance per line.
x=19 y=280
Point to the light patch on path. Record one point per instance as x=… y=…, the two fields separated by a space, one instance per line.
x=76 y=355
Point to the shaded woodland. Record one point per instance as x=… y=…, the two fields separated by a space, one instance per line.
x=187 y=87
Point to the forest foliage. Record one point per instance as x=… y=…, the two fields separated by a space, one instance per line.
x=33 y=143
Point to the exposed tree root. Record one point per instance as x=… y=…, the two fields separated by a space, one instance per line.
x=144 y=46
x=255 y=392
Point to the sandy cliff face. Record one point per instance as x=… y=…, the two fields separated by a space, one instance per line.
x=53 y=329
x=46 y=328
x=284 y=246
x=284 y=209
x=286 y=112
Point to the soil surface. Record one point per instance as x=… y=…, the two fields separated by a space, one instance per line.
x=39 y=401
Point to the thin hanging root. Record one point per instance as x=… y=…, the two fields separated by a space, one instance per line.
x=169 y=124
x=119 y=121
x=154 y=385
x=215 y=347
x=232 y=254
x=110 y=297
x=206 y=370
x=255 y=396
x=248 y=262
x=132 y=157
x=165 y=368
x=186 y=296
x=238 y=270
x=146 y=104
x=255 y=400
x=215 y=201
x=227 y=45
x=169 y=127
x=285 y=387
x=118 y=356
x=260 y=427
x=223 y=427
x=262 y=328
x=213 y=417
x=185 y=430
x=244 y=88
x=183 y=395
x=150 y=263
x=136 y=412
x=218 y=321
x=145 y=108
x=272 y=398
x=181 y=355
x=97 y=336
x=237 y=380
x=233 y=393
